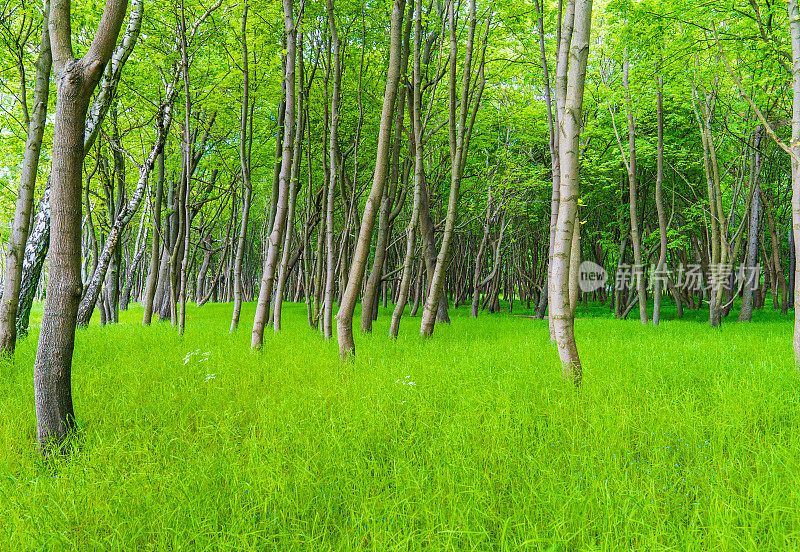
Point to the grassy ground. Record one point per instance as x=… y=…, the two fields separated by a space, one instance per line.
x=683 y=437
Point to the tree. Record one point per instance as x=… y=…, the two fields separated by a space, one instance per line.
x=76 y=80
x=27 y=184
x=279 y=224
x=569 y=134
x=794 y=28
x=344 y=318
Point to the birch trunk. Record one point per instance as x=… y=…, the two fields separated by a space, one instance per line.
x=569 y=152
x=794 y=27
x=333 y=174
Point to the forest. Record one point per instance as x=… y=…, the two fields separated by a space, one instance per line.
x=365 y=275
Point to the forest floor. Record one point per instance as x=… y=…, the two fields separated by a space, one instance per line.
x=682 y=437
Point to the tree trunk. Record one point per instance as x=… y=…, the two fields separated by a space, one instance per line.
x=344 y=318
x=779 y=281
x=276 y=233
x=27 y=184
x=661 y=267
x=333 y=174
x=641 y=287
x=294 y=188
x=419 y=167
x=751 y=255
x=76 y=80
x=244 y=161
x=569 y=152
x=794 y=27
x=555 y=167
x=155 y=252
x=369 y=303
x=39 y=239
x=460 y=135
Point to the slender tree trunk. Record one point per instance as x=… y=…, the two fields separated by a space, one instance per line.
x=333 y=173
x=419 y=167
x=662 y=216
x=138 y=255
x=27 y=184
x=155 y=252
x=294 y=188
x=476 y=277
x=641 y=287
x=369 y=303
x=569 y=152
x=76 y=80
x=244 y=161
x=751 y=255
x=779 y=281
x=555 y=168
x=344 y=319
x=33 y=261
x=794 y=27
x=460 y=134
x=276 y=234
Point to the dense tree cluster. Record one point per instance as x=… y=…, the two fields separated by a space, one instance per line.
x=424 y=154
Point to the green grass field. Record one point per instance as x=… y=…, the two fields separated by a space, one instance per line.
x=682 y=437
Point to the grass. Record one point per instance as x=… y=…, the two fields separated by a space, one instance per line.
x=682 y=437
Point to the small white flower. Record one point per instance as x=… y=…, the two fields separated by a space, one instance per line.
x=210 y=377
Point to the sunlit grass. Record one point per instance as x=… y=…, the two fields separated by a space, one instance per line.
x=682 y=437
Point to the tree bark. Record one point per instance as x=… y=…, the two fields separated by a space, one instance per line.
x=569 y=154
x=247 y=186
x=662 y=217
x=27 y=184
x=344 y=318
x=76 y=80
x=794 y=27
x=276 y=234
x=751 y=255
x=155 y=252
